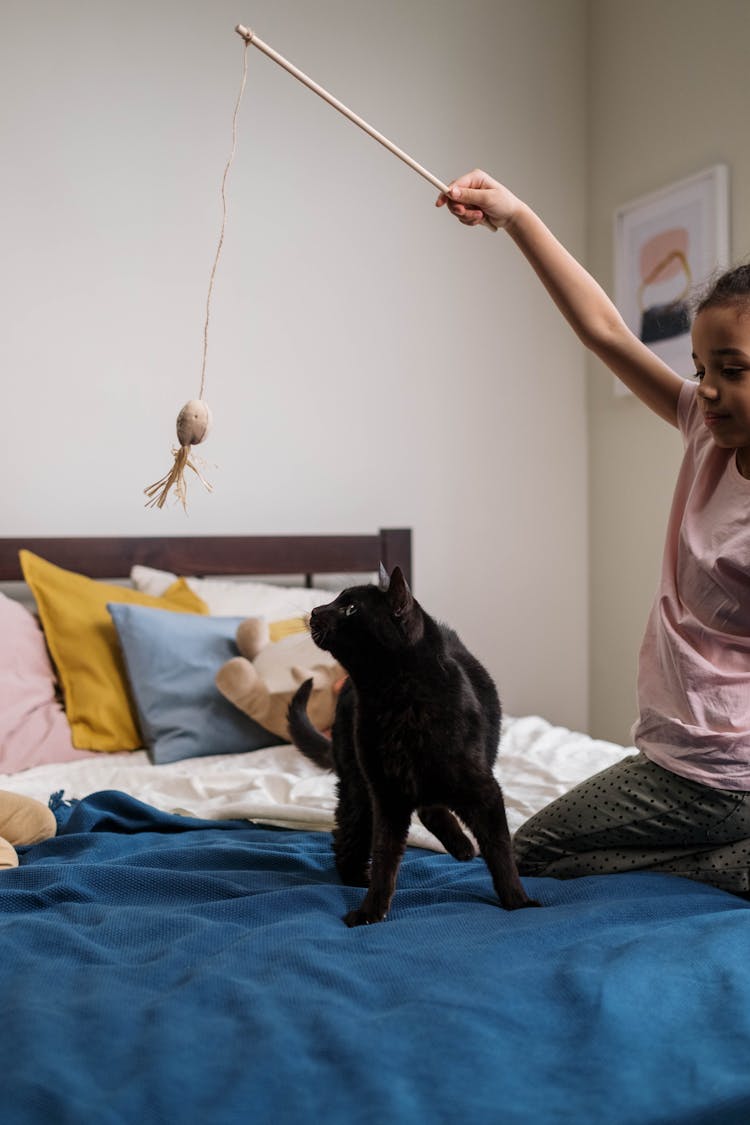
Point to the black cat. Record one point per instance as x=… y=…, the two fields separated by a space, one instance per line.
x=417 y=728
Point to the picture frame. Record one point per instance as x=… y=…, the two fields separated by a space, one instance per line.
x=668 y=244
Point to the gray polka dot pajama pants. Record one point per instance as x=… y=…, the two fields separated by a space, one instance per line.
x=636 y=816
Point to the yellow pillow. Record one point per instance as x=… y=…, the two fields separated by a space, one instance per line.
x=83 y=643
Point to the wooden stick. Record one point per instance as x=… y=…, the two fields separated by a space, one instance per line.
x=251 y=37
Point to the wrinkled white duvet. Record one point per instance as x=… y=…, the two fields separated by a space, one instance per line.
x=537 y=762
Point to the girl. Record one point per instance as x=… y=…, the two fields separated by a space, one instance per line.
x=682 y=804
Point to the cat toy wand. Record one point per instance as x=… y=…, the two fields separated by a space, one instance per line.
x=250 y=37
x=194 y=419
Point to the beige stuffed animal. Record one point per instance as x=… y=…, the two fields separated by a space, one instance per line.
x=262 y=681
x=23 y=821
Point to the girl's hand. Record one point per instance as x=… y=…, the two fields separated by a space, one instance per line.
x=476 y=198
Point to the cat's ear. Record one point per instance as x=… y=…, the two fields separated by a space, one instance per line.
x=399 y=594
x=383 y=579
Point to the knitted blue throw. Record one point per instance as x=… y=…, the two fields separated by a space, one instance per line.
x=160 y=969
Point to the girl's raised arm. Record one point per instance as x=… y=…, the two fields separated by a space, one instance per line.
x=478 y=199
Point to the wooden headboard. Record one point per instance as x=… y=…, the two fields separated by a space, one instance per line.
x=309 y=555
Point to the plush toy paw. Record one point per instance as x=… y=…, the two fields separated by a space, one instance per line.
x=8 y=855
x=23 y=821
x=253 y=635
x=238 y=682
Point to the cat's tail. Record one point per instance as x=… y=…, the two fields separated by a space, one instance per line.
x=304 y=735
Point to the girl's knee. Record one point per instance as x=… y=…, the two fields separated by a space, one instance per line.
x=529 y=851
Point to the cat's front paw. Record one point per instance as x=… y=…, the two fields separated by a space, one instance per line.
x=362 y=917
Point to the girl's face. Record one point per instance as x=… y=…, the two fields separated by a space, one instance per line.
x=721 y=351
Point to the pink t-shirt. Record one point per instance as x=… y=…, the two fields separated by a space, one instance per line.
x=694 y=669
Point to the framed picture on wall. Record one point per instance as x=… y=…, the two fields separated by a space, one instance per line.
x=668 y=244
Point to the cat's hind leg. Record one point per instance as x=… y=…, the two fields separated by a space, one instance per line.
x=482 y=809
x=441 y=822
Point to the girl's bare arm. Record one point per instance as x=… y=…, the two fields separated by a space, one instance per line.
x=476 y=198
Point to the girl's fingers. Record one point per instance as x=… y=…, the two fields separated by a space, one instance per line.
x=469 y=216
x=466 y=214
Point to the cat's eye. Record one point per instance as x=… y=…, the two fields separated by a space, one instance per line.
x=350 y=609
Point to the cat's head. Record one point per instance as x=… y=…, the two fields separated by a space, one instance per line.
x=364 y=620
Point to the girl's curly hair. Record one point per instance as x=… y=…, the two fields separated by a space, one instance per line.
x=729 y=288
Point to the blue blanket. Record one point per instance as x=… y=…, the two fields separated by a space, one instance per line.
x=159 y=969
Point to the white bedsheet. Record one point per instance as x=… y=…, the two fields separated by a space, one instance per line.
x=537 y=762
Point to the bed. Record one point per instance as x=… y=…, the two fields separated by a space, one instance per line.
x=175 y=953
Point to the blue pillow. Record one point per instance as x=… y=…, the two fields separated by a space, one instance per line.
x=171 y=661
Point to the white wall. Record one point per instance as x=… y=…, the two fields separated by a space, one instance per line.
x=371 y=362
x=668 y=96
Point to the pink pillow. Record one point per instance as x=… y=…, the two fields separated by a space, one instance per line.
x=33 y=726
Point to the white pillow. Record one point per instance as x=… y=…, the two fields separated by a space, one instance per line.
x=227 y=598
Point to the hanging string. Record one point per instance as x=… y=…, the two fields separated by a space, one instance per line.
x=194 y=420
x=223 y=216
